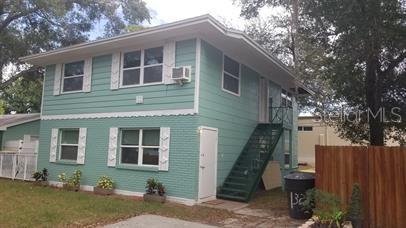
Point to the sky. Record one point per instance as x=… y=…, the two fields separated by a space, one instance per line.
x=164 y=11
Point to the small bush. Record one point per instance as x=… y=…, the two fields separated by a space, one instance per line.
x=355 y=213
x=154 y=186
x=40 y=175
x=105 y=182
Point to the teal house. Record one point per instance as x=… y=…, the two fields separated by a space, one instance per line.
x=198 y=106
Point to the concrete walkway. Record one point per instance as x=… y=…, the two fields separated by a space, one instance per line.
x=155 y=221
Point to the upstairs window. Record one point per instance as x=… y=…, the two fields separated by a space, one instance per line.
x=69 y=144
x=140 y=146
x=142 y=67
x=231 y=76
x=73 y=76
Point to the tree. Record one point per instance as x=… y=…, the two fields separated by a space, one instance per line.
x=361 y=60
x=32 y=26
x=23 y=95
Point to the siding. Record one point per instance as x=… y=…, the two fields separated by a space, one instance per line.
x=17 y=132
x=180 y=180
x=103 y=99
x=235 y=117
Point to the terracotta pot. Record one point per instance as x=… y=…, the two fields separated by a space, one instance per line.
x=102 y=191
x=154 y=198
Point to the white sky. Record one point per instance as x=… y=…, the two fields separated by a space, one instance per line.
x=164 y=11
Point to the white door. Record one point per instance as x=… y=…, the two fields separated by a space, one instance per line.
x=263 y=100
x=208 y=163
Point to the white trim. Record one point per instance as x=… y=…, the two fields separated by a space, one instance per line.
x=197 y=75
x=184 y=201
x=215 y=164
x=231 y=75
x=173 y=112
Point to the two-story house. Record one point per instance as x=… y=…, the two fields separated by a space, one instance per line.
x=114 y=107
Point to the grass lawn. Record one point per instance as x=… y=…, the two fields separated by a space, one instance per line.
x=25 y=205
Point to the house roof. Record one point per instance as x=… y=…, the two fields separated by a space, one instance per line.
x=206 y=27
x=16 y=119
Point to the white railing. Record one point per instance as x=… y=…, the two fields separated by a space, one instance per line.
x=19 y=161
x=18 y=165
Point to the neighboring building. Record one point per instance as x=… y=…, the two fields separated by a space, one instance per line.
x=312 y=132
x=18 y=127
x=117 y=107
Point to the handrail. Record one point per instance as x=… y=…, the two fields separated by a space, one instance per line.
x=282 y=115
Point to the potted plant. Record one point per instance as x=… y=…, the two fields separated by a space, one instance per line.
x=73 y=183
x=41 y=177
x=155 y=191
x=104 y=186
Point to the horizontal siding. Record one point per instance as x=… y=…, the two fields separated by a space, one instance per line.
x=17 y=132
x=180 y=180
x=103 y=99
x=234 y=116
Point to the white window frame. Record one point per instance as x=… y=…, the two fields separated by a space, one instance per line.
x=141 y=67
x=75 y=76
x=287 y=96
x=231 y=75
x=67 y=144
x=139 y=146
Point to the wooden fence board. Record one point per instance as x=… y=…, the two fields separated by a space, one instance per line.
x=381 y=172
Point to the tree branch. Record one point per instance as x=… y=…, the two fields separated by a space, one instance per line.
x=10 y=18
x=33 y=71
x=394 y=63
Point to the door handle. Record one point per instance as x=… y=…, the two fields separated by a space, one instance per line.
x=202 y=166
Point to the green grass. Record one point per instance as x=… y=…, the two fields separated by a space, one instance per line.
x=25 y=205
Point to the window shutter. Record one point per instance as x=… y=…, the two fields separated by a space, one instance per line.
x=164 y=142
x=111 y=157
x=82 y=146
x=87 y=78
x=169 y=61
x=54 y=145
x=115 y=70
x=57 y=79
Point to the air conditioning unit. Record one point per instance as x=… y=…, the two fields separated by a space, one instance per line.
x=182 y=74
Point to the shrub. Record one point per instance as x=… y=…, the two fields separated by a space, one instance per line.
x=44 y=176
x=37 y=176
x=40 y=175
x=105 y=182
x=62 y=177
x=327 y=208
x=355 y=214
x=154 y=186
x=73 y=181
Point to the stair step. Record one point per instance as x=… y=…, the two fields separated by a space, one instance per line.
x=233 y=190
x=236 y=198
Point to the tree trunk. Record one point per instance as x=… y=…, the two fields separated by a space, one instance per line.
x=375 y=113
x=294 y=28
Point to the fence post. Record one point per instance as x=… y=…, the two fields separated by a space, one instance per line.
x=25 y=167
x=13 y=169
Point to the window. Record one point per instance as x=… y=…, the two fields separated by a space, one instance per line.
x=305 y=128
x=140 y=146
x=287 y=148
x=69 y=144
x=286 y=99
x=231 y=76
x=142 y=67
x=73 y=76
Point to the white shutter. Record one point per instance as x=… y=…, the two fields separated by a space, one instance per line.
x=57 y=79
x=82 y=146
x=169 y=61
x=54 y=145
x=111 y=157
x=164 y=143
x=115 y=70
x=87 y=78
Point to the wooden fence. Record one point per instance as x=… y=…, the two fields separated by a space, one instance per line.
x=381 y=172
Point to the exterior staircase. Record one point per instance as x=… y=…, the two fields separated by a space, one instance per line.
x=247 y=171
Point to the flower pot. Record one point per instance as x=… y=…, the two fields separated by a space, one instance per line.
x=70 y=188
x=102 y=191
x=154 y=198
